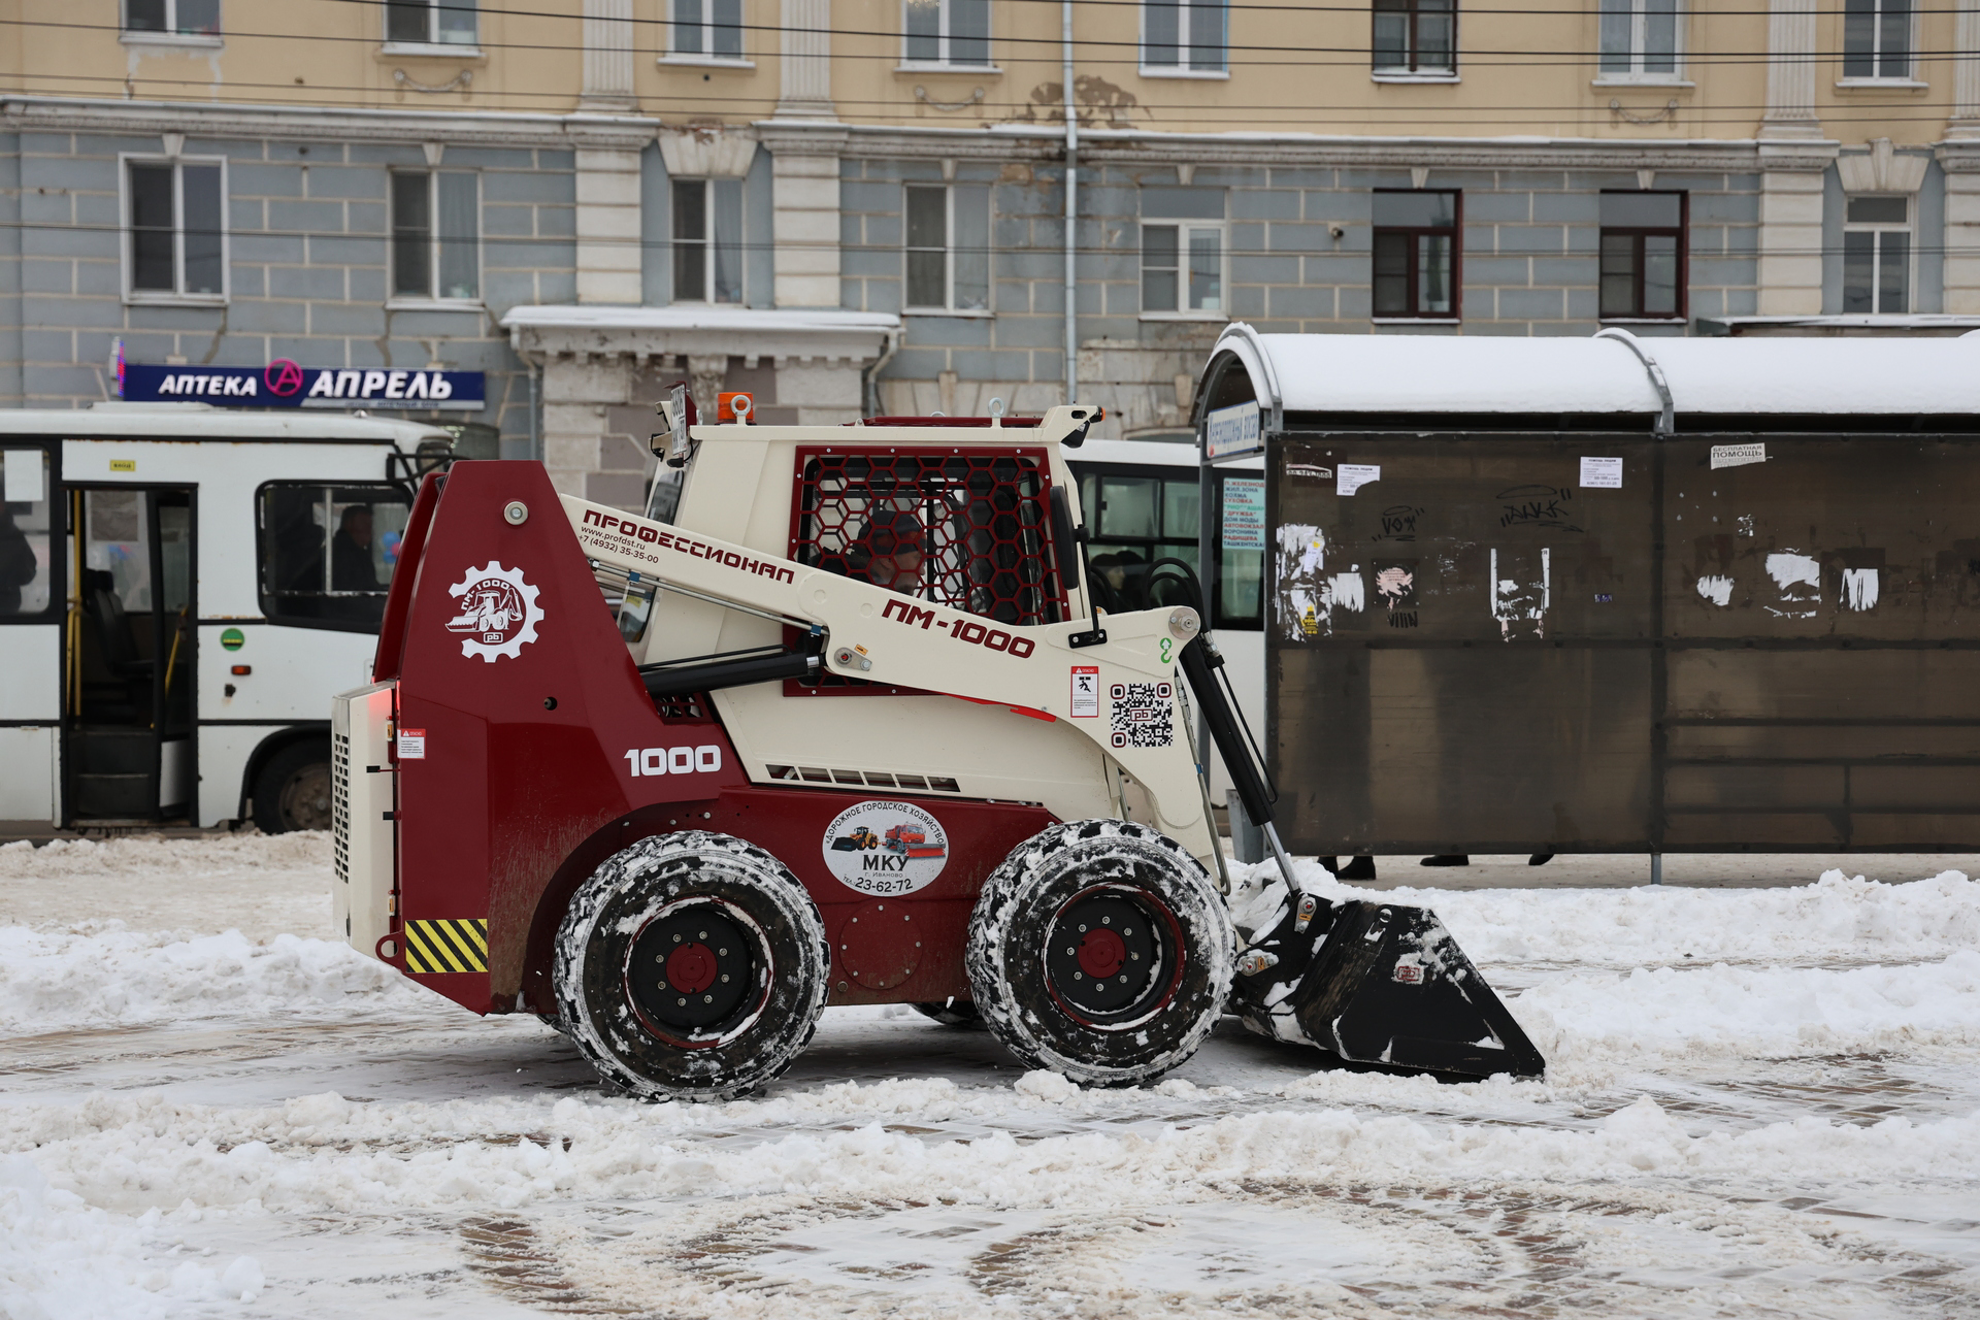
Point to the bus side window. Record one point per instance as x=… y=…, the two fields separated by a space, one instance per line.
x=328 y=552
x=24 y=549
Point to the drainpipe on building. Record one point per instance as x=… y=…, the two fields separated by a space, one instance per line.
x=535 y=426
x=1072 y=205
x=869 y=379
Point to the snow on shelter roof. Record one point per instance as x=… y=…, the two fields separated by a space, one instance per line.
x=1465 y=374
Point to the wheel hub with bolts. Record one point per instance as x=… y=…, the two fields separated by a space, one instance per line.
x=692 y=968
x=1106 y=959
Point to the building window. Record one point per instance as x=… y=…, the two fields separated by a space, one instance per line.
x=1182 y=268
x=1416 y=254
x=1643 y=254
x=1416 y=36
x=1877 y=255
x=176 y=236
x=185 y=18
x=1877 y=38
x=1185 y=35
x=711 y=29
x=947 y=31
x=429 y=22
x=948 y=248
x=436 y=235
x=1640 y=38
x=708 y=237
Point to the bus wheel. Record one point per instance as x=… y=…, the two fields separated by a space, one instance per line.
x=691 y=966
x=292 y=792
x=1101 y=950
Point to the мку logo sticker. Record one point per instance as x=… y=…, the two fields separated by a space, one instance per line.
x=498 y=612
x=885 y=848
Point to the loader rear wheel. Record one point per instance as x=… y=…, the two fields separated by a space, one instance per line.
x=691 y=966
x=1100 y=949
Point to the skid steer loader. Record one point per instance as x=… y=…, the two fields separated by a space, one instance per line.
x=636 y=828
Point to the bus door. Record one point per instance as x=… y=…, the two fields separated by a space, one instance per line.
x=128 y=662
x=30 y=637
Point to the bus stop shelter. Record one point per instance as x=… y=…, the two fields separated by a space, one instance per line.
x=1615 y=595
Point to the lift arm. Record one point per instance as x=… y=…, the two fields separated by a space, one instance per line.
x=888 y=637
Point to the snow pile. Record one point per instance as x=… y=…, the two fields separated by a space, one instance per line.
x=1752 y=1012
x=62 y=1260
x=165 y=861
x=1838 y=917
x=253 y=883
x=325 y=1153
x=51 y=980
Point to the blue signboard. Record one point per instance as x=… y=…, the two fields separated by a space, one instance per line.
x=283 y=384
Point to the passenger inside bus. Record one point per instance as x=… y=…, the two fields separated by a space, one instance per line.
x=350 y=552
x=17 y=562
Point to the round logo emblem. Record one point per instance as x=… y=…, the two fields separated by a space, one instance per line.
x=284 y=378
x=886 y=848
x=233 y=639
x=498 y=612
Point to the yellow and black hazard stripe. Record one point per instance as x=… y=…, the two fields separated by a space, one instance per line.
x=447 y=946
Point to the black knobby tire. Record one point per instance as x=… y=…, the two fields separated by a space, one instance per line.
x=691 y=966
x=292 y=790
x=953 y=1013
x=1069 y=904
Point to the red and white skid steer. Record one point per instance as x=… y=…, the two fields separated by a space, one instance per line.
x=636 y=826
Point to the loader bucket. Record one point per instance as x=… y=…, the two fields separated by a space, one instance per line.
x=1377 y=983
x=1389 y=985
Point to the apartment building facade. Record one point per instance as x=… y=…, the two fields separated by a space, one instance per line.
x=841 y=205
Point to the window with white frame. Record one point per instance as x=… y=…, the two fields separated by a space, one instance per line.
x=175 y=230
x=430 y=22
x=947 y=31
x=708 y=237
x=184 y=18
x=1182 y=267
x=436 y=235
x=1416 y=37
x=1640 y=39
x=948 y=248
x=1877 y=255
x=1877 y=38
x=708 y=29
x=1185 y=36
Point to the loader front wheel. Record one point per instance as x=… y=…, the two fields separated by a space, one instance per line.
x=691 y=966
x=1100 y=949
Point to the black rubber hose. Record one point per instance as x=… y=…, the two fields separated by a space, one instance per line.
x=1200 y=661
x=682 y=680
x=1224 y=732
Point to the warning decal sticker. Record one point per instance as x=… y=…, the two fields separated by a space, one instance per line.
x=447 y=946
x=1085 y=692
x=1141 y=715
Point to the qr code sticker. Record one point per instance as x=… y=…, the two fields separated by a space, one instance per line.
x=1140 y=715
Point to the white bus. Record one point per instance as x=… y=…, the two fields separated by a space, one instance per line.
x=182 y=590
x=1143 y=503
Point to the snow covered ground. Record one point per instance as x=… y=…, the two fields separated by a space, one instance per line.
x=1760 y=1102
